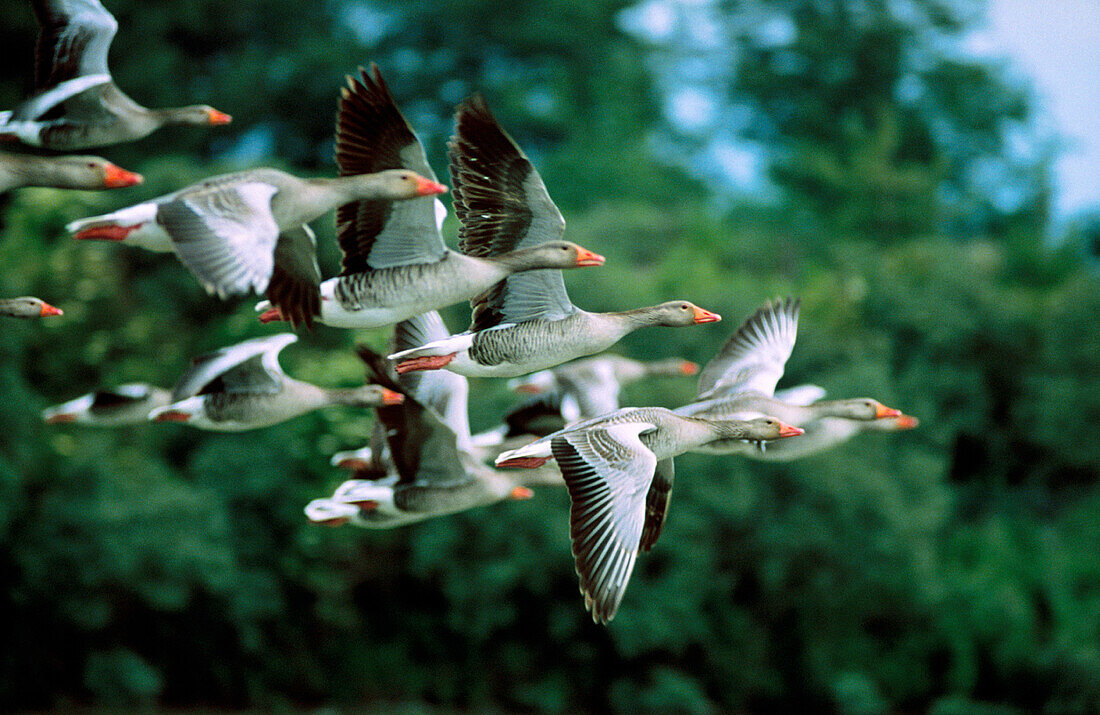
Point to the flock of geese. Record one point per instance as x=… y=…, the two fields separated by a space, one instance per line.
x=248 y=232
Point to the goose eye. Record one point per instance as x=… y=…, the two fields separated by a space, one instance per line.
x=91 y=164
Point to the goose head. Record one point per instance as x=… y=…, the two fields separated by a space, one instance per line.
x=200 y=114
x=676 y=313
x=398 y=184
x=28 y=307
x=92 y=172
x=758 y=429
x=862 y=409
x=557 y=254
x=373 y=396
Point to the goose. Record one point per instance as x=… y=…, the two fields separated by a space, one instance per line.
x=428 y=469
x=395 y=263
x=590 y=387
x=242 y=387
x=619 y=471
x=527 y=322
x=740 y=381
x=63 y=172
x=27 y=307
x=128 y=404
x=77 y=105
x=247 y=230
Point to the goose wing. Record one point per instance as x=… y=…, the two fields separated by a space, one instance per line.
x=608 y=472
x=225 y=234
x=73 y=42
x=296 y=277
x=423 y=448
x=372 y=135
x=502 y=205
x=444 y=391
x=250 y=366
x=754 y=357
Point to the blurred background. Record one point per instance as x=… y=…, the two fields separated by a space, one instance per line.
x=923 y=173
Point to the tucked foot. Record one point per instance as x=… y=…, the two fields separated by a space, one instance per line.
x=524 y=462
x=107 y=233
x=271 y=315
x=431 y=362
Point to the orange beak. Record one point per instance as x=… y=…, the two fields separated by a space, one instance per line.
x=334 y=521
x=907 y=422
x=528 y=388
x=366 y=504
x=786 y=430
x=48 y=310
x=217 y=118
x=61 y=419
x=390 y=397
x=427 y=187
x=172 y=416
x=705 y=316
x=588 y=258
x=521 y=493
x=118 y=178
x=688 y=367
x=884 y=411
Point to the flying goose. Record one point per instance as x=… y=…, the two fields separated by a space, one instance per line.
x=242 y=387
x=739 y=383
x=27 y=307
x=427 y=469
x=62 y=172
x=619 y=471
x=527 y=322
x=76 y=104
x=128 y=404
x=395 y=264
x=247 y=230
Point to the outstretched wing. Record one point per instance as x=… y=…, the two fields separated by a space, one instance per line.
x=608 y=471
x=372 y=135
x=73 y=42
x=754 y=357
x=252 y=365
x=225 y=235
x=503 y=206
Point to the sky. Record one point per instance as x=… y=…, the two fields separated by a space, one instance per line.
x=1053 y=46
x=1057 y=44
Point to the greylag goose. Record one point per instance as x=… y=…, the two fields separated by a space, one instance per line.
x=242 y=387
x=740 y=381
x=239 y=232
x=128 y=404
x=77 y=105
x=619 y=471
x=62 y=172
x=527 y=322
x=27 y=307
x=590 y=387
x=395 y=264
x=428 y=472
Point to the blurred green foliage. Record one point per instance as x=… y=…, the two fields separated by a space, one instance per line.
x=950 y=569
